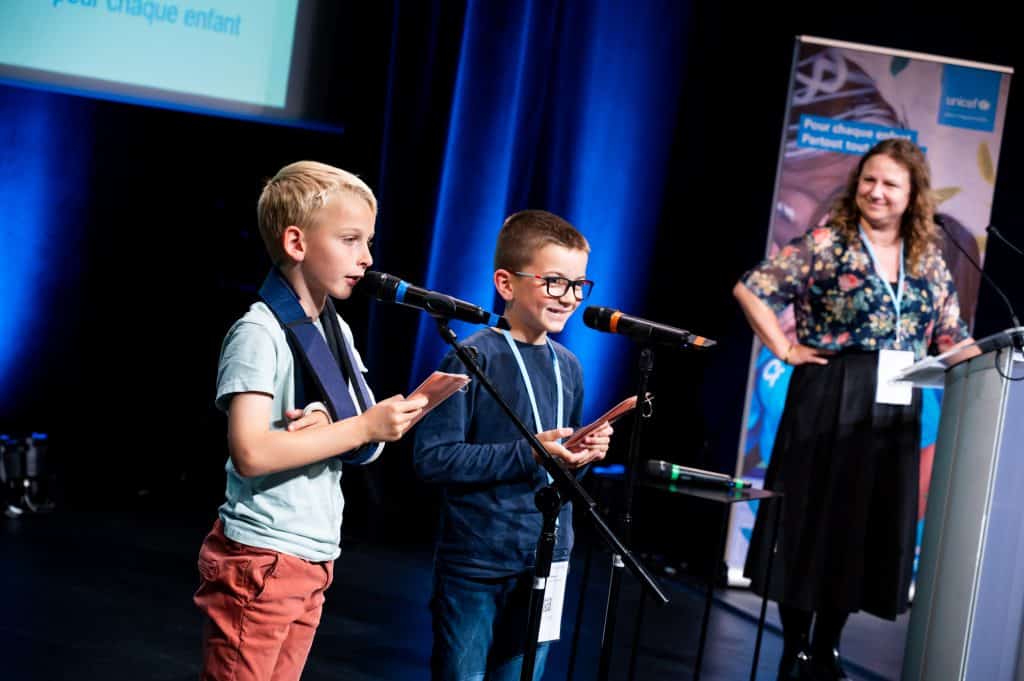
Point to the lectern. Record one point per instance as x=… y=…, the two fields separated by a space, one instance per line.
x=967 y=618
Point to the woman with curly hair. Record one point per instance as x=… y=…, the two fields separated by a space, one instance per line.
x=869 y=283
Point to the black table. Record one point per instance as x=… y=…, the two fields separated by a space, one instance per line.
x=714 y=495
x=727 y=497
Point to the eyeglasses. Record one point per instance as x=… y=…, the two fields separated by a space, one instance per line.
x=559 y=286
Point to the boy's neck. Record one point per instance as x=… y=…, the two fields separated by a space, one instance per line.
x=312 y=302
x=525 y=335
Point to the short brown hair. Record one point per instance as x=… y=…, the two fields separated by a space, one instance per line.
x=296 y=192
x=526 y=232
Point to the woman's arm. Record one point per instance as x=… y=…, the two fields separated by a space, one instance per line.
x=765 y=324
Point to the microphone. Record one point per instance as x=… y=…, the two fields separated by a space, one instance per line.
x=676 y=473
x=390 y=289
x=614 y=321
x=942 y=223
x=991 y=229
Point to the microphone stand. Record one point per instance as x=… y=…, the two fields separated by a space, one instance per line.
x=549 y=502
x=645 y=367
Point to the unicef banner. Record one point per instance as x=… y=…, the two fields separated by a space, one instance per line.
x=843 y=98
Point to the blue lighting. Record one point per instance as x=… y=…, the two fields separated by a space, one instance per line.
x=40 y=186
x=572 y=110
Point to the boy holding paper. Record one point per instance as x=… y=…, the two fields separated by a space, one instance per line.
x=489 y=523
x=269 y=558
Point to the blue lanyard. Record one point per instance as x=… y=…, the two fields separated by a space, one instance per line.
x=897 y=296
x=529 y=386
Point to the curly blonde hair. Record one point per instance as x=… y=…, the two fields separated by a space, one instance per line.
x=917 y=228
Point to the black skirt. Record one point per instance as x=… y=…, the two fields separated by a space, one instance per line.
x=848 y=468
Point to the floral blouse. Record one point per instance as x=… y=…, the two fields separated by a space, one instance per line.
x=840 y=302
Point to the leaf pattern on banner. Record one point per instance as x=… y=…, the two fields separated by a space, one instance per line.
x=985 y=165
x=944 y=194
x=898 y=64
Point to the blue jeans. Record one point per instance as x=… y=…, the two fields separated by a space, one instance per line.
x=480 y=628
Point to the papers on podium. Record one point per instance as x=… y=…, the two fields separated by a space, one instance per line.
x=930 y=372
x=610 y=416
x=437 y=388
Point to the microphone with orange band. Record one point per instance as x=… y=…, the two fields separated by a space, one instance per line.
x=642 y=330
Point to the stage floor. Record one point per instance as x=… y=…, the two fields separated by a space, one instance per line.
x=94 y=596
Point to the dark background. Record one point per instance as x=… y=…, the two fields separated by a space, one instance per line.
x=156 y=250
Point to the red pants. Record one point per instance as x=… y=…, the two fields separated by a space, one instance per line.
x=262 y=609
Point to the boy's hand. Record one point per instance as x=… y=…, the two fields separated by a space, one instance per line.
x=311 y=420
x=596 y=442
x=572 y=460
x=388 y=420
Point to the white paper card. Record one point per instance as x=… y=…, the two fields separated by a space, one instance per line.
x=554 y=598
x=890 y=363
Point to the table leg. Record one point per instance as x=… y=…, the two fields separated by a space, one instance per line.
x=777 y=502
x=709 y=596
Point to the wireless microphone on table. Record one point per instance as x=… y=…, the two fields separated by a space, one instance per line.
x=676 y=473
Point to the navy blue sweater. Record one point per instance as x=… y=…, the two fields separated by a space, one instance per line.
x=489 y=523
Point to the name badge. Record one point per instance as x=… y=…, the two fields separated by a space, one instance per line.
x=890 y=363
x=554 y=598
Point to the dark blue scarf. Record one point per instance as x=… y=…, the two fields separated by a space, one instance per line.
x=324 y=363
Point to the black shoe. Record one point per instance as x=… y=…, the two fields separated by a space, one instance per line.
x=795 y=667
x=828 y=667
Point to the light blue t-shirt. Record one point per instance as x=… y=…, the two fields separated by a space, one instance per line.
x=298 y=511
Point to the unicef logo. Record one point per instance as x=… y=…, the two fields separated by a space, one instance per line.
x=984 y=104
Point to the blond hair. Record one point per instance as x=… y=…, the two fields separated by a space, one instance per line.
x=526 y=232
x=294 y=195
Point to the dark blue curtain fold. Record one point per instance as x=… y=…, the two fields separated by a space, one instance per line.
x=43 y=158
x=568 y=107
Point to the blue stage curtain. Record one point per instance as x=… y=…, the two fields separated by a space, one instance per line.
x=568 y=107
x=42 y=161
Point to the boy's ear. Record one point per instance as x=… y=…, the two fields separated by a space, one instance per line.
x=503 y=284
x=293 y=243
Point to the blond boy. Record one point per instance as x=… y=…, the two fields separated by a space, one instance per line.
x=266 y=563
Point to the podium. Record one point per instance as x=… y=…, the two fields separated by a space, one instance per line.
x=967 y=618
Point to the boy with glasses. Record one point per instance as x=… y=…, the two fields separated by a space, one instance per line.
x=489 y=523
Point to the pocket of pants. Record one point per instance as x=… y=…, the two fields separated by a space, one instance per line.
x=209 y=566
x=261 y=572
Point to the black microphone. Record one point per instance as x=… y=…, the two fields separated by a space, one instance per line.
x=942 y=223
x=676 y=473
x=991 y=229
x=614 y=321
x=389 y=289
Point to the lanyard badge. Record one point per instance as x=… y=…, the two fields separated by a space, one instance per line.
x=891 y=362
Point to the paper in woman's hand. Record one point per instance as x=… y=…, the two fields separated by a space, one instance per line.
x=610 y=416
x=437 y=388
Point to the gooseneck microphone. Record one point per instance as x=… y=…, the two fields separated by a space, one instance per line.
x=942 y=223
x=991 y=229
x=390 y=289
x=613 y=321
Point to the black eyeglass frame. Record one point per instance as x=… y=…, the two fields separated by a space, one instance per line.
x=581 y=288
